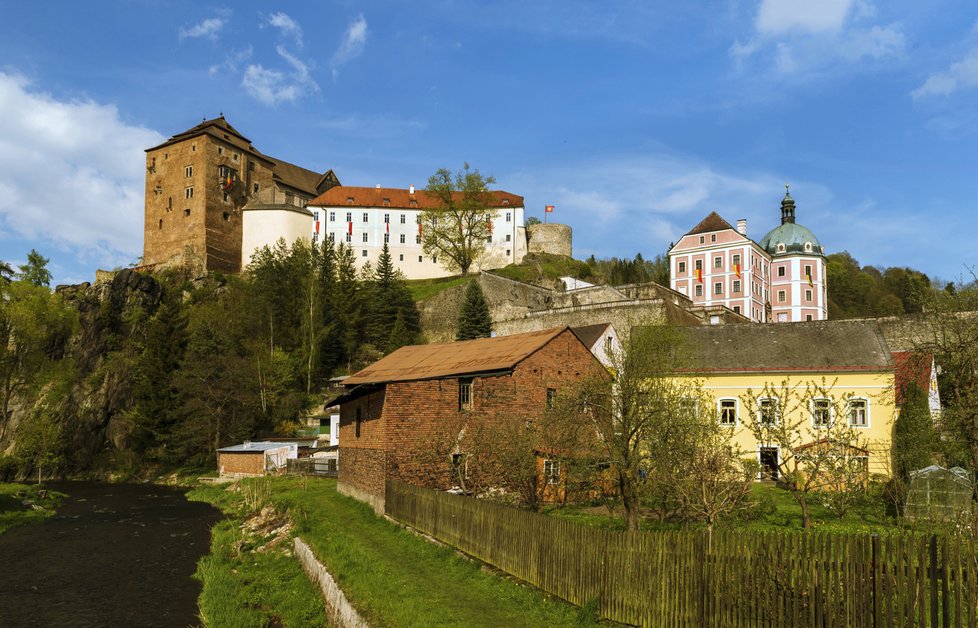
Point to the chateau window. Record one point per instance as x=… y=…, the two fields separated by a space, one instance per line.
x=767 y=411
x=728 y=412
x=821 y=412
x=781 y=296
x=681 y=267
x=717 y=262
x=366 y=216
x=808 y=295
x=464 y=394
x=363 y=253
x=808 y=271
x=387 y=219
x=417 y=239
x=365 y=237
x=858 y=413
x=188 y=171
x=699 y=290
x=349 y=238
x=349 y=216
x=780 y=271
x=737 y=309
x=736 y=286
x=509 y=216
x=698 y=264
x=736 y=260
x=808 y=317
x=188 y=192
x=718 y=288
x=509 y=237
x=332 y=216
x=400 y=257
x=713 y=237
x=403 y=219
x=402 y=238
x=387 y=238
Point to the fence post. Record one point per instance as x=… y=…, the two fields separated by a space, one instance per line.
x=932 y=574
x=875 y=575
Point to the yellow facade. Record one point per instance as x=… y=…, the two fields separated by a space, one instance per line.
x=872 y=392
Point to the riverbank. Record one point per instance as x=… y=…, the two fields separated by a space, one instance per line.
x=392 y=576
x=22 y=504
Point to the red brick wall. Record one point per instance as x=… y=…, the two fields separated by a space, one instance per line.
x=415 y=423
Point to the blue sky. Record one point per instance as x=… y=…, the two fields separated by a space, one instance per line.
x=635 y=119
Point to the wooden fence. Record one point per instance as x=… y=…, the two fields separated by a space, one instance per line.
x=735 y=578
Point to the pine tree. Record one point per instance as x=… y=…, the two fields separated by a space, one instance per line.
x=474 y=320
x=390 y=299
x=36 y=271
x=400 y=336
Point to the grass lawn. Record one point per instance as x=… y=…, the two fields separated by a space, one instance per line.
x=537 y=266
x=776 y=510
x=17 y=503
x=422 y=289
x=395 y=578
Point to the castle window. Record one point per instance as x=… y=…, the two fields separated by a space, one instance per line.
x=718 y=288
x=808 y=317
x=363 y=253
x=226 y=197
x=780 y=271
x=365 y=237
x=699 y=290
x=735 y=260
x=188 y=171
x=169 y=204
x=251 y=166
x=332 y=216
x=193 y=148
x=402 y=238
x=220 y=150
x=781 y=296
x=736 y=286
x=682 y=267
x=808 y=271
x=349 y=216
x=186 y=212
x=403 y=219
x=161 y=223
x=226 y=216
x=188 y=192
x=234 y=156
x=166 y=156
x=387 y=219
x=387 y=238
x=366 y=216
x=717 y=262
x=256 y=188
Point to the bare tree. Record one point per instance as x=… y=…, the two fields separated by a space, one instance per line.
x=457 y=229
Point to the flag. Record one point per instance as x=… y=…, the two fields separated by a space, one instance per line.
x=489 y=225
x=419 y=229
x=388 y=227
x=317 y=226
x=699 y=275
x=549 y=209
x=809 y=276
x=350 y=228
x=737 y=270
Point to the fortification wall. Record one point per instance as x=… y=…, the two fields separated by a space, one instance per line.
x=551 y=238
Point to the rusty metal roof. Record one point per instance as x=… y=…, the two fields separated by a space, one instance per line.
x=452 y=359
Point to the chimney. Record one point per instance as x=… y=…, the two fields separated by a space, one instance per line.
x=411 y=190
x=378 y=186
x=742 y=226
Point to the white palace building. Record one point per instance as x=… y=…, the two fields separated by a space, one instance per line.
x=780 y=279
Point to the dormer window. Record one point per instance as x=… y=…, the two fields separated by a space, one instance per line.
x=349 y=200
x=505 y=201
x=413 y=203
x=387 y=202
x=780 y=248
x=808 y=247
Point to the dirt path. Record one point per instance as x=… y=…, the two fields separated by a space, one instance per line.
x=113 y=555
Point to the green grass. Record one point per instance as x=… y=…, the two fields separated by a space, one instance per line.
x=15 y=512
x=395 y=578
x=423 y=289
x=243 y=587
x=537 y=266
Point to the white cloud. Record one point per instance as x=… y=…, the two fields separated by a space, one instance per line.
x=801 y=39
x=354 y=41
x=776 y=17
x=232 y=61
x=287 y=26
x=71 y=174
x=209 y=28
x=272 y=87
x=960 y=75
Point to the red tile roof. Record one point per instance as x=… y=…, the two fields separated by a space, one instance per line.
x=398 y=198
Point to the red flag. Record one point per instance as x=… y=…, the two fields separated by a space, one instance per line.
x=699 y=275
x=317 y=226
x=388 y=227
x=549 y=209
x=419 y=228
x=350 y=229
x=737 y=270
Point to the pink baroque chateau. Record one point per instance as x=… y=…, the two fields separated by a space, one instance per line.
x=781 y=278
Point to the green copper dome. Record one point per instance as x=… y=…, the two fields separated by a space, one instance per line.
x=789 y=237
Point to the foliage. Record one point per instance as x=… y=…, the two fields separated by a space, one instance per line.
x=35 y=271
x=424 y=289
x=456 y=230
x=474 y=319
x=913 y=435
x=616 y=272
x=856 y=291
x=818 y=450
x=544 y=268
x=21 y=504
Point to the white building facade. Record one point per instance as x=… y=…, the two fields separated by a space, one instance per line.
x=367 y=218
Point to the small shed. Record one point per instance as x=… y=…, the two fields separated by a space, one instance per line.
x=253 y=459
x=938 y=493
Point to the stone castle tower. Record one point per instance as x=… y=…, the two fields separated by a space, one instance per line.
x=198 y=181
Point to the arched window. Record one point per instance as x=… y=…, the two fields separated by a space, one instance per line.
x=780 y=248
x=808 y=247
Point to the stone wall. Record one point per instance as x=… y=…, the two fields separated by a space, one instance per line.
x=550 y=238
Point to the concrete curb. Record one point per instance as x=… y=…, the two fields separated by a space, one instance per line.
x=339 y=611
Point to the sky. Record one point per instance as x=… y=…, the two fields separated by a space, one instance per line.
x=635 y=119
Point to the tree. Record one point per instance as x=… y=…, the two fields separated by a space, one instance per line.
x=389 y=301
x=6 y=272
x=913 y=433
x=817 y=447
x=474 y=319
x=456 y=230
x=35 y=271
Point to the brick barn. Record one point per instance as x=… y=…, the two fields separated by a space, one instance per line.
x=395 y=411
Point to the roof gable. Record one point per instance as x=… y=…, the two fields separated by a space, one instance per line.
x=590 y=334
x=713 y=222
x=466 y=357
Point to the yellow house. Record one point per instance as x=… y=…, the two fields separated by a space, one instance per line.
x=815 y=379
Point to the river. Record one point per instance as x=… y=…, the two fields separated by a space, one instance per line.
x=113 y=555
